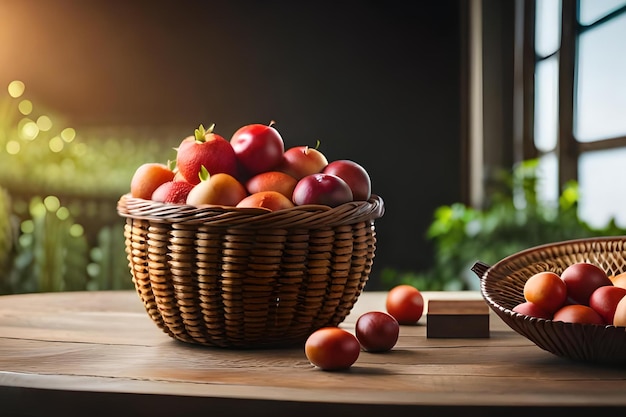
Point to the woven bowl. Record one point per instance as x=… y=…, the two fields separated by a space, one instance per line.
x=502 y=286
x=248 y=278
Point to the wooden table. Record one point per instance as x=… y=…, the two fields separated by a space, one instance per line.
x=98 y=354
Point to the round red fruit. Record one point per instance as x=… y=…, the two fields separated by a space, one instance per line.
x=174 y=192
x=354 y=174
x=578 y=313
x=258 y=147
x=301 y=161
x=377 y=331
x=405 y=303
x=582 y=279
x=324 y=189
x=332 y=349
x=604 y=300
x=207 y=149
x=530 y=309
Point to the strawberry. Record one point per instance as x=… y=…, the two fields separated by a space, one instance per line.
x=207 y=149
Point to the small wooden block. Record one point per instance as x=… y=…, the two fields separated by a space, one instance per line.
x=457 y=319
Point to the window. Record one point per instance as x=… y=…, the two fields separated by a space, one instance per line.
x=578 y=89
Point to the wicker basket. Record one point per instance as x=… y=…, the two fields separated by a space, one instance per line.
x=248 y=278
x=502 y=286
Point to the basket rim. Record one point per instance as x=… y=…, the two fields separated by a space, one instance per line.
x=487 y=295
x=309 y=215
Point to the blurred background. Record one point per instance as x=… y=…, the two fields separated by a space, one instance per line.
x=468 y=115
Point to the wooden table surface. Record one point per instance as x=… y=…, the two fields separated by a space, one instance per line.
x=98 y=353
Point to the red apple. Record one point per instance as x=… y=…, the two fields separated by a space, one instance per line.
x=258 y=147
x=354 y=174
x=301 y=161
x=582 y=279
x=325 y=189
x=604 y=301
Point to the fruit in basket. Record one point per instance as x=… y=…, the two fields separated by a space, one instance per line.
x=604 y=301
x=300 y=161
x=173 y=192
x=619 y=280
x=217 y=189
x=354 y=175
x=207 y=149
x=405 y=303
x=258 y=147
x=547 y=290
x=148 y=177
x=271 y=200
x=272 y=181
x=582 y=279
x=532 y=310
x=325 y=189
x=377 y=331
x=332 y=349
x=619 y=319
x=578 y=313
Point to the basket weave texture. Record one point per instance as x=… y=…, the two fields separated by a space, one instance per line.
x=248 y=278
x=502 y=286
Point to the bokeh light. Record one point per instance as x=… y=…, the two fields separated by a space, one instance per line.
x=68 y=134
x=25 y=107
x=44 y=123
x=13 y=147
x=56 y=144
x=28 y=129
x=16 y=88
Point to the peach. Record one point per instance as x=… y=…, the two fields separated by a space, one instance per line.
x=271 y=200
x=218 y=189
x=272 y=181
x=148 y=177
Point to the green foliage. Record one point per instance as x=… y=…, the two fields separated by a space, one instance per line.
x=59 y=230
x=515 y=219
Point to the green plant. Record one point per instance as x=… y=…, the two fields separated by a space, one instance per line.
x=514 y=219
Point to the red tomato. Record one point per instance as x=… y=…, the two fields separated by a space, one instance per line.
x=377 y=331
x=546 y=290
x=332 y=349
x=405 y=303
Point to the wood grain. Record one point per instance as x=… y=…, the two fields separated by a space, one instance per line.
x=98 y=353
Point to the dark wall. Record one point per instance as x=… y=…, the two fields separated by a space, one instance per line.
x=375 y=81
